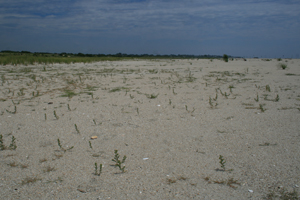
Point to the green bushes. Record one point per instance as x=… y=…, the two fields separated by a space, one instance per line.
x=225 y=58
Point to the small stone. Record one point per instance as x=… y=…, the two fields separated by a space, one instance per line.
x=94 y=137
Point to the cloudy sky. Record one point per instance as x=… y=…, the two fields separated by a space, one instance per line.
x=262 y=28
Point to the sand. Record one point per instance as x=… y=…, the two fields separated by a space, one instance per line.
x=171 y=118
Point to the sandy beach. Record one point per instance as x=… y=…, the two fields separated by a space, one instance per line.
x=190 y=129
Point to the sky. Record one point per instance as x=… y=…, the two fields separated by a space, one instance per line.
x=246 y=28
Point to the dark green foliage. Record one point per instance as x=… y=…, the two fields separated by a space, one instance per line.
x=225 y=58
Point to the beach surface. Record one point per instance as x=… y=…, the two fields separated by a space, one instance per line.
x=190 y=129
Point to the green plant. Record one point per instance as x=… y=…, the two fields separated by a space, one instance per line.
x=55 y=115
x=90 y=145
x=45 y=116
x=96 y=169
x=118 y=89
x=277 y=98
x=151 y=96
x=262 y=108
x=226 y=95
x=230 y=88
x=283 y=66
x=268 y=89
x=68 y=93
x=2 y=147
x=212 y=105
x=225 y=58
x=118 y=163
x=190 y=77
x=63 y=149
x=13 y=145
x=222 y=162
x=76 y=128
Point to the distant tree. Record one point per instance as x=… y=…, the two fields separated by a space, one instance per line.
x=80 y=55
x=225 y=58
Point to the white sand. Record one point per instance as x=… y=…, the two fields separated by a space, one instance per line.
x=179 y=132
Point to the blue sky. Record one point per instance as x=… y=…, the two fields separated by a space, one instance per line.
x=262 y=28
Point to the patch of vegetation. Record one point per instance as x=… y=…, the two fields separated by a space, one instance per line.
x=118 y=162
x=12 y=145
x=68 y=93
x=96 y=169
x=225 y=58
x=151 y=96
x=118 y=89
x=61 y=148
x=282 y=194
x=283 y=66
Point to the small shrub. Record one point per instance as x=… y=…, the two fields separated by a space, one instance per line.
x=119 y=162
x=283 y=66
x=225 y=58
x=222 y=162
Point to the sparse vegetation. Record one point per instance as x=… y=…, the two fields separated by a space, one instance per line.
x=2 y=146
x=63 y=149
x=152 y=96
x=118 y=162
x=12 y=146
x=96 y=169
x=68 y=93
x=261 y=107
x=282 y=194
x=222 y=162
x=76 y=128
